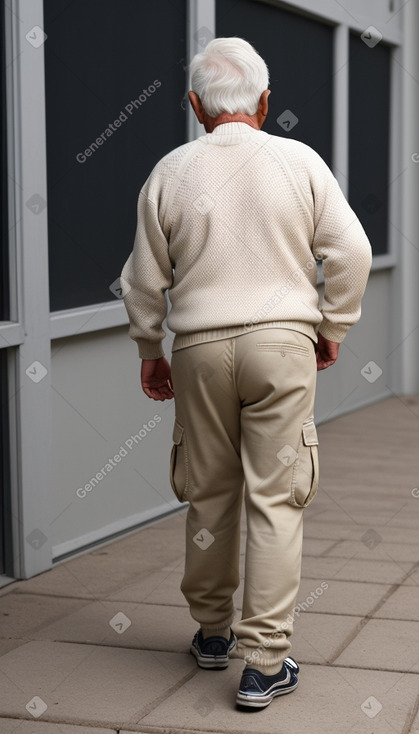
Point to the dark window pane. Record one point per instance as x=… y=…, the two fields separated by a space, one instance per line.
x=4 y=242
x=106 y=61
x=299 y=55
x=369 y=127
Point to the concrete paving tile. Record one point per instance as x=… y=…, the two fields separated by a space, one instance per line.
x=340 y=597
x=161 y=587
x=386 y=645
x=317 y=528
x=18 y=726
x=318 y=507
x=413 y=578
x=403 y=604
x=389 y=572
x=358 y=504
x=315 y=567
x=57 y=581
x=365 y=511
x=374 y=548
x=329 y=700
x=394 y=534
x=390 y=485
x=311 y=545
x=87 y=684
x=364 y=473
x=346 y=569
x=316 y=546
x=365 y=482
x=177 y=565
x=352 y=531
x=145 y=626
x=8 y=588
x=21 y=614
x=362 y=514
x=10 y=644
x=333 y=514
x=415 y=725
x=317 y=637
x=156 y=627
x=405 y=519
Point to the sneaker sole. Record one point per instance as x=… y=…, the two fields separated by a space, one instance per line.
x=210 y=663
x=262 y=701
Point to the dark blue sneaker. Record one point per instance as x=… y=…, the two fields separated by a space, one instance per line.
x=258 y=691
x=212 y=652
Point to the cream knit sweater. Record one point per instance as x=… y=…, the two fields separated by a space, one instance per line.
x=230 y=225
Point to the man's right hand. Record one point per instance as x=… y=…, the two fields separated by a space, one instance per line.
x=326 y=352
x=156 y=378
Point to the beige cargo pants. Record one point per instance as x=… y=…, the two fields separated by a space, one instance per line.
x=244 y=421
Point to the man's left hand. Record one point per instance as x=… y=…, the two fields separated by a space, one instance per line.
x=156 y=379
x=326 y=352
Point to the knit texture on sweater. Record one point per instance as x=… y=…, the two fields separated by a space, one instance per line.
x=231 y=225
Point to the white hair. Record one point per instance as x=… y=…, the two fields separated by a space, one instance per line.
x=229 y=76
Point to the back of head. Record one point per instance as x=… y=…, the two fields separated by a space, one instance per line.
x=229 y=76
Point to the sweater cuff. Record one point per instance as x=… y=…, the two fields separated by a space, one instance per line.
x=149 y=350
x=333 y=332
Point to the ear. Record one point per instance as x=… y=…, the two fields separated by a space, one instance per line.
x=196 y=106
x=263 y=102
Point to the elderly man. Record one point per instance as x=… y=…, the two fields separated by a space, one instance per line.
x=231 y=225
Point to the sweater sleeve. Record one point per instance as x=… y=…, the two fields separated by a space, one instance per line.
x=341 y=243
x=145 y=277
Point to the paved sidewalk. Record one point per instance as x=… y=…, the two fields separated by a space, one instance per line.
x=100 y=643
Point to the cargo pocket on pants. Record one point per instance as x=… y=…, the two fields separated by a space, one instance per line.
x=179 y=468
x=305 y=477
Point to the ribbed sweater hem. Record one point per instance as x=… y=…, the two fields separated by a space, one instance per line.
x=181 y=341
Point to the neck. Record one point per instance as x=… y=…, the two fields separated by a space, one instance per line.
x=213 y=122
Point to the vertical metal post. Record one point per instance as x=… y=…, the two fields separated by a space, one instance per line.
x=200 y=30
x=409 y=293
x=33 y=413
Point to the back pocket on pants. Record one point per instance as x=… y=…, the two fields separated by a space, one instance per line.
x=179 y=469
x=305 y=476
